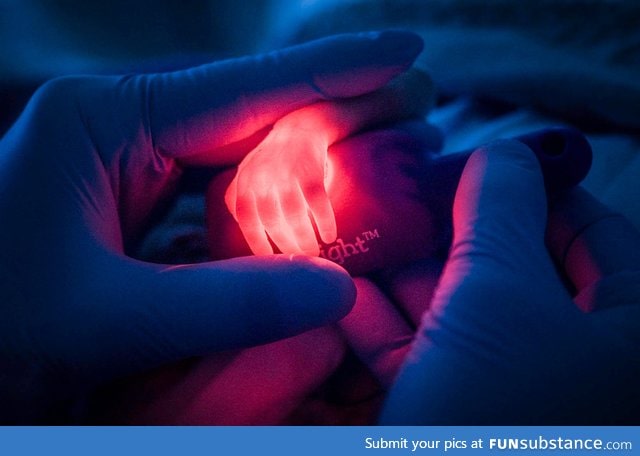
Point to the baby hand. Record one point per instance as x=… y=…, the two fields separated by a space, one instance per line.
x=279 y=191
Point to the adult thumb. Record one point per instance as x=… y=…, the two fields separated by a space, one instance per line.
x=150 y=314
x=488 y=292
x=499 y=213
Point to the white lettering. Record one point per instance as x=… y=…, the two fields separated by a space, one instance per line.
x=382 y=443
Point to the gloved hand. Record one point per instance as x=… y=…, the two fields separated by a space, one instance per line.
x=503 y=341
x=81 y=172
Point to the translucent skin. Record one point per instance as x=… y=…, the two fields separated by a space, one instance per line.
x=278 y=189
x=374 y=190
x=279 y=193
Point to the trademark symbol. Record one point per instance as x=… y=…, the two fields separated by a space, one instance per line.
x=368 y=235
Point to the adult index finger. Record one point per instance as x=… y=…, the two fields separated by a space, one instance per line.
x=199 y=110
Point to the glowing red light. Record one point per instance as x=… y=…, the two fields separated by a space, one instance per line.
x=280 y=192
x=329 y=174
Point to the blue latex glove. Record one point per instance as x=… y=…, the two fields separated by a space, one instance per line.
x=503 y=341
x=81 y=172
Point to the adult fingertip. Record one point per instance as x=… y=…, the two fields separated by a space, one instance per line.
x=420 y=91
x=335 y=290
x=500 y=204
x=504 y=173
x=514 y=166
x=246 y=301
x=384 y=46
x=512 y=153
x=354 y=64
x=400 y=45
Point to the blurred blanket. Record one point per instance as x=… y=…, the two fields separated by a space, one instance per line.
x=579 y=59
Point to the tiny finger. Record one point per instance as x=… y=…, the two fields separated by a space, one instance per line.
x=297 y=218
x=322 y=212
x=251 y=226
x=274 y=222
